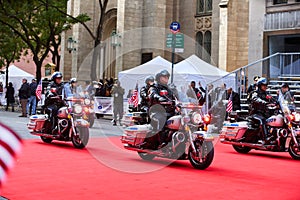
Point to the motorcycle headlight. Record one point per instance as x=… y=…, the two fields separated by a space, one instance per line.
x=297 y=117
x=196 y=118
x=87 y=101
x=77 y=109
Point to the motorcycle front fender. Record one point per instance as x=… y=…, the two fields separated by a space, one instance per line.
x=203 y=135
x=81 y=122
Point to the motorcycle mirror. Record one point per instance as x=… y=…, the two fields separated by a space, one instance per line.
x=163 y=93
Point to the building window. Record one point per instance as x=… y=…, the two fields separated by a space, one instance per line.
x=280 y=1
x=146 y=57
x=203 y=47
x=204 y=6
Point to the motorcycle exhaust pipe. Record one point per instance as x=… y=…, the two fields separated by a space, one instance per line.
x=260 y=146
x=45 y=135
x=156 y=153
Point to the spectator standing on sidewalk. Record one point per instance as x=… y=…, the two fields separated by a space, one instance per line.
x=32 y=99
x=24 y=94
x=10 y=97
x=117 y=93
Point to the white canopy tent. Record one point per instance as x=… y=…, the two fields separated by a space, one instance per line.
x=15 y=75
x=137 y=75
x=190 y=69
x=195 y=69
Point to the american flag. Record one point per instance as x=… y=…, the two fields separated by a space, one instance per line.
x=10 y=146
x=229 y=104
x=38 y=91
x=134 y=99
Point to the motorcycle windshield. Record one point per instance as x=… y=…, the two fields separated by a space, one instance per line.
x=287 y=104
x=188 y=97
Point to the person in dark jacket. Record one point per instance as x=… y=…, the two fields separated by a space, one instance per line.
x=235 y=104
x=32 y=99
x=117 y=92
x=144 y=93
x=24 y=94
x=162 y=105
x=259 y=106
x=55 y=90
x=10 y=96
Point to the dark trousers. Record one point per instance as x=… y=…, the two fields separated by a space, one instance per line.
x=12 y=106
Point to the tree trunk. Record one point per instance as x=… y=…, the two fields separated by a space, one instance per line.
x=6 y=75
x=38 y=64
x=96 y=55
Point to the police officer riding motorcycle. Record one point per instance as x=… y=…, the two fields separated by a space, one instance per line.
x=260 y=102
x=54 y=92
x=162 y=105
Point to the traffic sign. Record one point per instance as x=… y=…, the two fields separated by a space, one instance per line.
x=179 y=40
x=175 y=27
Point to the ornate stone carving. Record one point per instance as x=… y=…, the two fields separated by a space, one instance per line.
x=203 y=23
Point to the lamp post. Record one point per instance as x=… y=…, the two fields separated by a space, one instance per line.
x=70 y=44
x=114 y=39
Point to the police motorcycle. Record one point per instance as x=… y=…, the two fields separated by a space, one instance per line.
x=186 y=135
x=70 y=124
x=283 y=131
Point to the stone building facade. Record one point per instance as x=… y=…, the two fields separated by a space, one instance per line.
x=226 y=33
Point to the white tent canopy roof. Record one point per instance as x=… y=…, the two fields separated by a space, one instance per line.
x=14 y=71
x=155 y=65
x=190 y=69
x=194 y=65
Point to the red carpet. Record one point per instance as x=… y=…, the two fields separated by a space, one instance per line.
x=59 y=171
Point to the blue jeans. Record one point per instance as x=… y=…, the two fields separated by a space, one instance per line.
x=32 y=103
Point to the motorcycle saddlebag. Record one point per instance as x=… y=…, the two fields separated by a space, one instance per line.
x=36 y=122
x=135 y=135
x=233 y=131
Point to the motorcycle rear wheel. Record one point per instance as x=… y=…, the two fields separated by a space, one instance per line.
x=46 y=140
x=80 y=139
x=204 y=157
x=294 y=151
x=146 y=156
x=241 y=149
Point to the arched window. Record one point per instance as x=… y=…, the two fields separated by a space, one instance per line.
x=207 y=45
x=203 y=46
x=204 y=7
x=199 y=45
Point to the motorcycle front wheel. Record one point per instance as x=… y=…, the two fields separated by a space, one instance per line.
x=146 y=156
x=241 y=149
x=294 y=150
x=46 y=140
x=80 y=139
x=204 y=155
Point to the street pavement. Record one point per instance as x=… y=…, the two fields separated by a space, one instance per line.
x=102 y=127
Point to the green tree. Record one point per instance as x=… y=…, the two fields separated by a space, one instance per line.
x=38 y=24
x=97 y=36
x=10 y=48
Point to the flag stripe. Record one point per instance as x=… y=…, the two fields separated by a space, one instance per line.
x=6 y=158
x=10 y=145
x=134 y=99
x=11 y=139
x=38 y=91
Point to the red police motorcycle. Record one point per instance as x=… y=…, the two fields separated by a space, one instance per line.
x=186 y=135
